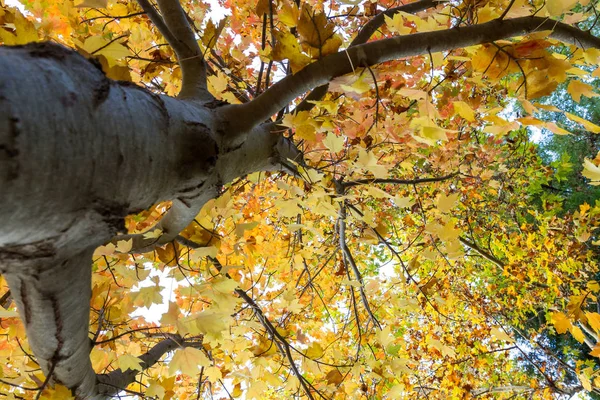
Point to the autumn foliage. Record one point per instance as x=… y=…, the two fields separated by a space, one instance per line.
x=406 y=257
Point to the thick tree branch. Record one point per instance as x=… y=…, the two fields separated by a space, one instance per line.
x=174 y=26
x=320 y=72
x=53 y=305
x=377 y=21
x=112 y=383
x=265 y=150
x=176 y=219
x=363 y=36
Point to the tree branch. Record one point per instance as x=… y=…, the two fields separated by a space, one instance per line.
x=363 y=36
x=398 y=181
x=481 y=252
x=174 y=26
x=112 y=383
x=6 y=299
x=240 y=116
x=176 y=219
x=53 y=307
x=349 y=260
x=266 y=150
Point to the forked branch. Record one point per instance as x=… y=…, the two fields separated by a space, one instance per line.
x=112 y=383
x=324 y=70
x=363 y=36
x=174 y=26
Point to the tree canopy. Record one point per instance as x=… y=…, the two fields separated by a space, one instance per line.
x=299 y=199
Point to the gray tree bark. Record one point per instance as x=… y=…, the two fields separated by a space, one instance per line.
x=78 y=152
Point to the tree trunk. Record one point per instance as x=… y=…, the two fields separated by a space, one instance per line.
x=78 y=152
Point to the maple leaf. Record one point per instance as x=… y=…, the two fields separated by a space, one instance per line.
x=334 y=377
x=189 y=361
x=500 y=334
x=586 y=124
x=212 y=32
x=287 y=47
x=112 y=50
x=464 y=110
x=592 y=172
x=560 y=321
x=577 y=89
x=595 y=351
x=593 y=320
x=314 y=351
x=129 y=362
x=317 y=32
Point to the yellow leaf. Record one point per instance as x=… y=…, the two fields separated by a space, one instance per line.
x=262 y=7
x=223 y=285
x=213 y=374
x=171 y=316
x=288 y=48
x=591 y=171
x=155 y=234
x=237 y=391
x=241 y=228
x=577 y=333
x=385 y=337
x=16 y=29
x=124 y=246
x=107 y=250
x=403 y=202
x=361 y=85
x=333 y=142
x=595 y=351
x=92 y=4
x=217 y=84
x=593 y=320
x=395 y=24
x=155 y=390
x=576 y=89
x=587 y=124
x=585 y=382
x=58 y=392
x=501 y=335
x=314 y=351
x=314 y=28
x=189 y=361
x=464 y=110
x=547 y=107
x=212 y=32
x=112 y=50
x=446 y=203
x=560 y=321
x=167 y=254
x=378 y=193
x=127 y=361
x=594 y=286
x=552 y=127
x=368 y=161
x=558 y=7
x=289 y=14
x=210 y=251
